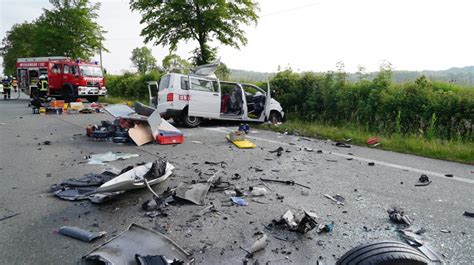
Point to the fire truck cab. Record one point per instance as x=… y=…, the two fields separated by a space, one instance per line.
x=68 y=79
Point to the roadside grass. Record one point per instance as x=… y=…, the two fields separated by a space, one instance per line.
x=452 y=150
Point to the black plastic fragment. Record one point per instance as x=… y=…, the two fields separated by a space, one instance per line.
x=81 y=234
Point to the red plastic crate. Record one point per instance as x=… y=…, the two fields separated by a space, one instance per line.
x=168 y=138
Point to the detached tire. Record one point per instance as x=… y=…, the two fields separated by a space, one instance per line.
x=191 y=121
x=383 y=253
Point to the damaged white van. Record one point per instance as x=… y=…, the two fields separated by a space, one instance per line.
x=191 y=98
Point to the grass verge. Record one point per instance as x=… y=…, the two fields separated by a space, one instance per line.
x=452 y=150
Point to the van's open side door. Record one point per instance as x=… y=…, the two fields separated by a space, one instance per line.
x=268 y=99
x=153 y=93
x=204 y=97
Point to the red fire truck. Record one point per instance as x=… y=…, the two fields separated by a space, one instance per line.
x=67 y=78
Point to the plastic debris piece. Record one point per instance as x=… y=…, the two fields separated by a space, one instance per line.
x=123 y=248
x=448 y=175
x=101 y=159
x=81 y=234
x=325 y=228
x=372 y=141
x=259 y=244
x=340 y=144
x=278 y=151
x=423 y=181
x=468 y=214
x=371 y=164
x=239 y=201
x=397 y=215
x=338 y=199
x=308 y=222
x=258 y=191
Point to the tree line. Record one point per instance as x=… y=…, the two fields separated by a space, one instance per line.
x=425 y=108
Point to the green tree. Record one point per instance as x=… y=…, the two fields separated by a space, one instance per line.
x=169 y=22
x=69 y=29
x=176 y=64
x=18 y=43
x=143 y=60
x=222 y=72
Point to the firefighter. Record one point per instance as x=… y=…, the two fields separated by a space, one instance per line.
x=7 y=87
x=15 y=84
x=43 y=86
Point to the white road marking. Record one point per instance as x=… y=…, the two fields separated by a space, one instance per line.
x=378 y=162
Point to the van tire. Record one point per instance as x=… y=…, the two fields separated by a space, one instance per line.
x=383 y=253
x=67 y=93
x=190 y=121
x=275 y=117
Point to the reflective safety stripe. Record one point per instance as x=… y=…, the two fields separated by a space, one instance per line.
x=43 y=86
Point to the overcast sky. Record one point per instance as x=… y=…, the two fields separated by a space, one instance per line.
x=307 y=35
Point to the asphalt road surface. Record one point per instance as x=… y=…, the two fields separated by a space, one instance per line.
x=28 y=168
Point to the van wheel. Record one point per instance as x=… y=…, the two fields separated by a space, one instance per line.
x=275 y=117
x=191 y=121
x=383 y=253
x=67 y=94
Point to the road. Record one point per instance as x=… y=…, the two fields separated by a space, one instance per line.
x=28 y=168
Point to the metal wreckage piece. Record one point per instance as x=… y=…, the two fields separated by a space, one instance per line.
x=138 y=246
x=107 y=185
x=307 y=223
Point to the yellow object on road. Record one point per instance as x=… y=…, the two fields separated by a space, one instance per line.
x=241 y=143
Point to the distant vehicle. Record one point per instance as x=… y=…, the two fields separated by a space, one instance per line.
x=200 y=95
x=67 y=78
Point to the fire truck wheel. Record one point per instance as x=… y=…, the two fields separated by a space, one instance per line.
x=92 y=98
x=67 y=93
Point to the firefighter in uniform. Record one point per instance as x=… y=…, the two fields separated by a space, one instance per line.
x=43 y=86
x=7 y=87
x=15 y=84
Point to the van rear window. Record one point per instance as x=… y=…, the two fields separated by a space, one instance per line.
x=164 y=82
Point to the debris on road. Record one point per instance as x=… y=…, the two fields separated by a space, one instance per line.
x=278 y=151
x=325 y=228
x=338 y=199
x=239 y=201
x=371 y=164
x=258 y=191
x=195 y=193
x=373 y=141
x=468 y=214
x=107 y=185
x=81 y=234
x=238 y=139
x=341 y=144
x=397 y=215
x=101 y=159
x=423 y=181
x=448 y=175
x=9 y=216
x=415 y=240
x=302 y=225
x=258 y=245
x=287 y=182
x=138 y=241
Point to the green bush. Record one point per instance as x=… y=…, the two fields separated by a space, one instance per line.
x=419 y=108
x=131 y=85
